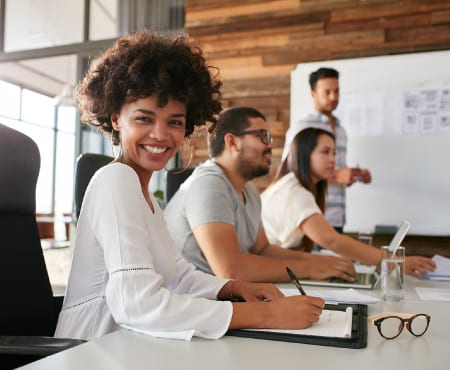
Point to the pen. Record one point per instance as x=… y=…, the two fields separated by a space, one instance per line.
x=295 y=281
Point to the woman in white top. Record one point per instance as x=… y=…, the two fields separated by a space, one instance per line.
x=293 y=205
x=148 y=92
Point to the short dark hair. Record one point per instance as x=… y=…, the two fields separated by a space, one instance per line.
x=229 y=120
x=144 y=63
x=322 y=72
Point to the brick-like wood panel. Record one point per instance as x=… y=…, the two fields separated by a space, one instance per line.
x=257 y=43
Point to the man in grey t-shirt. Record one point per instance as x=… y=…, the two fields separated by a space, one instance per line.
x=215 y=216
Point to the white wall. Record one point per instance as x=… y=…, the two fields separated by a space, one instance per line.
x=410 y=162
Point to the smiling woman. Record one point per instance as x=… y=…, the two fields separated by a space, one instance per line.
x=142 y=93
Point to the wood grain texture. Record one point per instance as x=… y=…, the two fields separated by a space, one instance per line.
x=257 y=43
x=371 y=10
x=230 y=9
x=440 y=17
x=403 y=21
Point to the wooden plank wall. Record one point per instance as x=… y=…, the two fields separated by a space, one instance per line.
x=256 y=44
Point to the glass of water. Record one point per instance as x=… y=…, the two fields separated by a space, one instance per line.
x=393 y=273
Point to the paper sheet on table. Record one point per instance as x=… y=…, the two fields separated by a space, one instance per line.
x=337 y=324
x=364 y=269
x=442 y=271
x=333 y=296
x=433 y=294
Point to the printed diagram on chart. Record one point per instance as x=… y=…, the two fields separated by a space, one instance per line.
x=362 y=113
x=426 y=111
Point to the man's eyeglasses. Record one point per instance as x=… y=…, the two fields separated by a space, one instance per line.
x=264 y=135
x=391 y=324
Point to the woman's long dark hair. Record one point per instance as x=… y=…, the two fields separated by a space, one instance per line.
x=298 y=161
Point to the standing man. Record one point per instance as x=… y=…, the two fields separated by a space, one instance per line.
x=324 y=85
x=215 y=216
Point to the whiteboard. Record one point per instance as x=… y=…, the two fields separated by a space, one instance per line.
x=396 y=110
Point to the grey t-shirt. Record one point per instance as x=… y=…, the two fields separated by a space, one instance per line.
x=207 y=196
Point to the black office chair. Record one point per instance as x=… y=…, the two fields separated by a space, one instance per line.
x=175 y=178
x=28 y=310
x=87 y=164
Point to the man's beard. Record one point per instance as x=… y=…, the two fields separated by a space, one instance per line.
x=249 y=171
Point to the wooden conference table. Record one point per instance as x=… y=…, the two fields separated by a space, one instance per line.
x=125 y=349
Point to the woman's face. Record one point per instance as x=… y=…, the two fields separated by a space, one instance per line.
x=149 y=135
x=323 y=159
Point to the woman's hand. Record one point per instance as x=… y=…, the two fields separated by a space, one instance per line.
x=266 y=307
x=296 y=312
x=252 y=292
x=324 y=267
x=418 y=266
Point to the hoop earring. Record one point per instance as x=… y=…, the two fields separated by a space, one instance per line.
x=188 y=140
x=112 y=145
x=119 y=157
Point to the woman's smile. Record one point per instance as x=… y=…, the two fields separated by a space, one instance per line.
x=154 y=149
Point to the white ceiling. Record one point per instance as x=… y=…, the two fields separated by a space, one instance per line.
x=37 y=24
x=46 y=75
x=32 y=24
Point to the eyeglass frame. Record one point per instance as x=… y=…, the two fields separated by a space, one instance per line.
x=264 y=135
x=378 y=319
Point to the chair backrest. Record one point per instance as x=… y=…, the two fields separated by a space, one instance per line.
x=27 y=306
x=175 y=178
x=87 y=164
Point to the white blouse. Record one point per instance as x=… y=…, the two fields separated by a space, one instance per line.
x=126 y=271
x=285 y=205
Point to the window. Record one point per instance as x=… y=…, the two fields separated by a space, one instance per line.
x=32 y=24
x=35 y=76
x=10 y=106
x=53 y=130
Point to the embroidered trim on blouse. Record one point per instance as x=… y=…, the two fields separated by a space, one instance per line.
x=131 y=269
x=103 y=297
x=84 y=302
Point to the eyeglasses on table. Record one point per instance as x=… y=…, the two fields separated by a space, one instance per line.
x=391 y=324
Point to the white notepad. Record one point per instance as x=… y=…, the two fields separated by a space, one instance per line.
x=334 y=296
x=433 y=294
x=336 y=324
x=442 y=271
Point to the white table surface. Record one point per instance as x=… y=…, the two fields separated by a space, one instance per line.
x=125 y=349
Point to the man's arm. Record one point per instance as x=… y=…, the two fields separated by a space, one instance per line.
x=350 y=175
x=344 y=176
x=265 y=263
x=262 y=247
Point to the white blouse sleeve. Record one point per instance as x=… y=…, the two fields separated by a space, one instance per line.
x=285 y=206
x=150 y=288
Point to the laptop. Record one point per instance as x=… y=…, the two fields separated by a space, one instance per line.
x=367 y=277
x=364 y=280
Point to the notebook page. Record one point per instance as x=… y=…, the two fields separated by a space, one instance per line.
x=336 y=324
x=333 y=296
x=442 y=271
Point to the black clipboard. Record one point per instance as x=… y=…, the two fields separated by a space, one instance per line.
x=357 y=340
